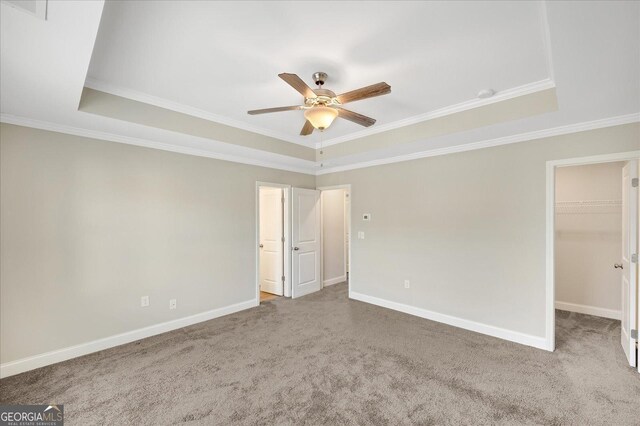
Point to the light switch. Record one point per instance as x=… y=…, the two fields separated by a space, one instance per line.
x=361 y=235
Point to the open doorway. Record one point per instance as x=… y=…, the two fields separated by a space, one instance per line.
x=593 y=256
x=272 y=235
x=336 y=234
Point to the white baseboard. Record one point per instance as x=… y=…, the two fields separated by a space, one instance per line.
x=336 y=280
x=48 y=358
x=490 y=330
x=589 y=310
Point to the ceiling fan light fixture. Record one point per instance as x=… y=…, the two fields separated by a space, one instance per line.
x=320 y=116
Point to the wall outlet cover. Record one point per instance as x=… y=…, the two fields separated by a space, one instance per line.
x=407 y=284
x=144 y=301
x=172 y=304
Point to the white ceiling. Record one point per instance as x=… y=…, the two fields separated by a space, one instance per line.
x=596 y=68
x=594 y=47
x=223 y=58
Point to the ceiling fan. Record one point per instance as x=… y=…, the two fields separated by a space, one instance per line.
x=322 y=106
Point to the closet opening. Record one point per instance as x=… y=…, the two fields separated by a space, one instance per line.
x=595 y=233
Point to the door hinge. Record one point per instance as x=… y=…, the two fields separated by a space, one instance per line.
x=634 y=182
x=282 y=239
x=283 y=278
x=634 y=258
x=634 y=334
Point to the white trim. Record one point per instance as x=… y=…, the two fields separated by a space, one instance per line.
x=490 y=330
x=504 y=95
x=25 y=364
x=188 y=110
x=550 y=286
x=96 y=134
x=596 y=159
x=336 y=280
x=589 y=310
x=550 y=271
x=522 y=137
x=287 y=236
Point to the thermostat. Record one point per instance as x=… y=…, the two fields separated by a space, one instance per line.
x=366 y=216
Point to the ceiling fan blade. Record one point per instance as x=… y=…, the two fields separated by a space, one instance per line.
x=278 y=109
x=296 y=82
x=307 y=129
x=360 y=119
x=365 y=92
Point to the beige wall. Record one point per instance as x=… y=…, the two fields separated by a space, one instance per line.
x=333 y=236
x=87 y=227
x=589 y=239
x=467 y=229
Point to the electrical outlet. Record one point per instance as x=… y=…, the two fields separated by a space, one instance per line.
x=144 y=301
x=172 y=304
x=407 y=284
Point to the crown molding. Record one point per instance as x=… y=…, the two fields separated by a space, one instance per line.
x=522 y=137
x=504 y=95
x=314 y=169
x=96 y=134
x=452 y=109
x=185 y=109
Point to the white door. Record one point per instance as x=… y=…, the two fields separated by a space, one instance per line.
x=305 y=241
x=347 y=230
x=271 y=244
x=628 y=269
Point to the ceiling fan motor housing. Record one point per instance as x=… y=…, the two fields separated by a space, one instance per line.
x=320 y=77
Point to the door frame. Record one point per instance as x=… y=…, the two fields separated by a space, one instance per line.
x=286 y=210
x=550 y=285
x=349 y=221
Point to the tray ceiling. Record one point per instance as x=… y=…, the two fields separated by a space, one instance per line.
x=221 y=59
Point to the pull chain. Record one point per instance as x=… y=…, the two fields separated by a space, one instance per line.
x=321 y=151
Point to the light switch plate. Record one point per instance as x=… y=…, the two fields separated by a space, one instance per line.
x=361 y=235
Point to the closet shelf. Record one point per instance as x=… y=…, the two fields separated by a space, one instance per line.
x=589 y=207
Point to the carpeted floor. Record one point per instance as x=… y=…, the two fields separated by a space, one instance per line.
x=324 y=359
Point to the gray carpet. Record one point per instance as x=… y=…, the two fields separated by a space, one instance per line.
x=324 y=359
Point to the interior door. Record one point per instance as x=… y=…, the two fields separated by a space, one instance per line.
x=628 y=269
x=305 y=241
x=271 y=243
x=347 y=230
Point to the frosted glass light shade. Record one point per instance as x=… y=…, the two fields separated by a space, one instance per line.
x=320 y=117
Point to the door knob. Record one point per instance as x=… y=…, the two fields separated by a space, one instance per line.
x=618 y=265
x=296 y=248
x=261 y=245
